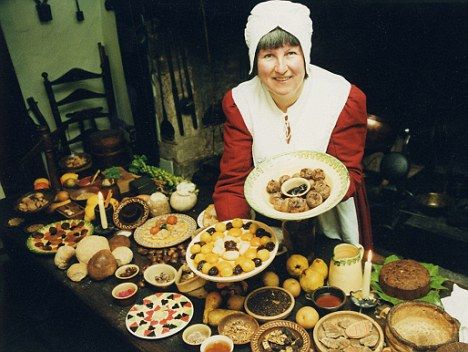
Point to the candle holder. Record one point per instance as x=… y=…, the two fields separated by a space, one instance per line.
x=98 y=230
x=109 y=213
x=364 y=303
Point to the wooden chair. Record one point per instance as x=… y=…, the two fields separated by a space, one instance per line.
x=77 y=106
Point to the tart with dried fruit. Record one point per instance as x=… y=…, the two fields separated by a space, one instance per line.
x=49 y=238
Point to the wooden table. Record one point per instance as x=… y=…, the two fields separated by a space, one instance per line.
x=97 y=295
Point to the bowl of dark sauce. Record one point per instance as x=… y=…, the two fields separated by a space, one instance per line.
x=327 y=299
x=295 y=187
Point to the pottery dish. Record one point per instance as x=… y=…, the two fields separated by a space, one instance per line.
x=283 y=334
x=239 y=327
x=339 y=330
x=269 y=303
x=160 y=275
x=337 y=178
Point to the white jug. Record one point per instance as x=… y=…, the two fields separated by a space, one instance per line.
x=345 y=267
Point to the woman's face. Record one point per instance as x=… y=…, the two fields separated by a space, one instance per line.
x=282 y=71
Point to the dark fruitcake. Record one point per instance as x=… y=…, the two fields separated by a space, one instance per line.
x=404 y=279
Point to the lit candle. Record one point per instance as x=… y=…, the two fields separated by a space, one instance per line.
x=102 y=211
x=366 y=276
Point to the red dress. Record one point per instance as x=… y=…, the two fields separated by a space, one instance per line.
x=346 y=144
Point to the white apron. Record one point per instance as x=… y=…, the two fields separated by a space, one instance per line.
x=312 y=119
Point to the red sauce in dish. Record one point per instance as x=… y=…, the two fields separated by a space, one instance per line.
x=328 y=301
x=218 y=347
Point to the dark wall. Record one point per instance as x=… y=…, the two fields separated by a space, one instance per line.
x=410 y=58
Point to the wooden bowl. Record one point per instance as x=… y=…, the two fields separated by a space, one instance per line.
x=38 y=200
x=239 y=327
x=77 y=162
x=297 y=332
x=420 y=326
x=338 y=322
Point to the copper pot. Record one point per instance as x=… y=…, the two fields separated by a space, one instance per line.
x=380 y=134
x=434 y=201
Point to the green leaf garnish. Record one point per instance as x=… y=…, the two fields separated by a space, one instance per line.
x=436 y=283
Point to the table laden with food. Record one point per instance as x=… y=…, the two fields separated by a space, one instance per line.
x=143 y=249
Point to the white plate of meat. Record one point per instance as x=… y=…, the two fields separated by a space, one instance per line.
x=328 y=178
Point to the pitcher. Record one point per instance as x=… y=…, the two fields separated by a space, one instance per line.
x=345 y=267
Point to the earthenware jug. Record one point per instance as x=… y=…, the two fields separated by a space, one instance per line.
x=345 y=267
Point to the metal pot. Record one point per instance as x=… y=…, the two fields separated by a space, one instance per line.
x=434 y=201
x=380 y=134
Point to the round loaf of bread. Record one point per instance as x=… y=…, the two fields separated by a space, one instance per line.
x=404 y=279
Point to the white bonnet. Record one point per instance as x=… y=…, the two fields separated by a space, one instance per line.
x=291 y=17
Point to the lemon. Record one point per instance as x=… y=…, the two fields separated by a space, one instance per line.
x=270 y=279
x=292 y=286
x=307 y=317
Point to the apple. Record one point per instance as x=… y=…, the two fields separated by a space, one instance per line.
x=307 y=317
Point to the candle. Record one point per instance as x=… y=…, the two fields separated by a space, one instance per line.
x=102 y=211
x=366 y=276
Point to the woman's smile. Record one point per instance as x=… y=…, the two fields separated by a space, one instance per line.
x=282 y=71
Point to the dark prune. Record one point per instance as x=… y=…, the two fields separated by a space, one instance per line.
x=65 y=226
x=81 y=223
x=260 y=247
x=37 y=235
x=237 y=270
x=47 y=247
x=192 y=256
x=230 y=245
x=200 y=265
x=211 y=230
x=84 y=232
x=257 y=261
x=260 y=232
x=229 y=225
x=213 y=271
x=247 y=225
x=201 y=243
x=52 y=230
x=270 y=246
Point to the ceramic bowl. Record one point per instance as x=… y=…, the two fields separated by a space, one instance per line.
x=127 y=271
x=125 y=293
x=337 y=177
x=187 y=281
x=327 y=299
x=217 y=339
x=160 y=275
x=269 y=303
x=195 y=334
x=295 y=187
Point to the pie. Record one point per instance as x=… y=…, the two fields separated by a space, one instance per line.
x=160 y=315
x=50 y=237
x=158 y=232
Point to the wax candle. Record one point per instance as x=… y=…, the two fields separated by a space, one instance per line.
x=102 y=211
x=366 y=276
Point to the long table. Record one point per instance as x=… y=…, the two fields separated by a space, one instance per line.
x=96 y=296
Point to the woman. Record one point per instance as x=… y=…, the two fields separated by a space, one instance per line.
x=291 y=105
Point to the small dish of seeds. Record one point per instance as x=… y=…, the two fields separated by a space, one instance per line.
x=160 y=275
x=127 y=271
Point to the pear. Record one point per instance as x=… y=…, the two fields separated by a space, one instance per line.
x=311 y=280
